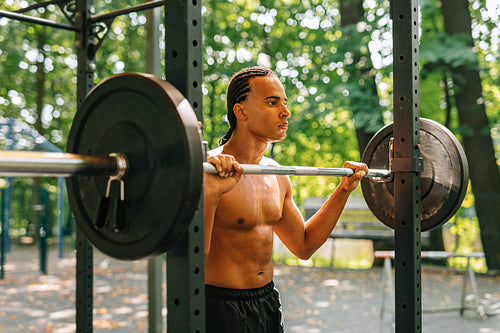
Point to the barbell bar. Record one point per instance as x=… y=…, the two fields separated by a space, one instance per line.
x=254 y=169
x=115 y=165
x=39 y=164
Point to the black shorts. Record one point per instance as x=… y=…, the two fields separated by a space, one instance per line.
x=243 y=310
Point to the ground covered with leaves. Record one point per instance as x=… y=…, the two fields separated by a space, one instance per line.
x=315 y=300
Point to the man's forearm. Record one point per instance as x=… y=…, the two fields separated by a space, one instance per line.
x=319 y=227
x=211 y=201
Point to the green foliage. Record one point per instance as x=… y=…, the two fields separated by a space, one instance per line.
x=453 y=51
x=302 y=40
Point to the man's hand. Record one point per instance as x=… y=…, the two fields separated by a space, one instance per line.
x=229 y=170
x=350 y=183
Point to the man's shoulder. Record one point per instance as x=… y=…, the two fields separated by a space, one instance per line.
x=215 y=151
x=264 y=161
x=268 y=161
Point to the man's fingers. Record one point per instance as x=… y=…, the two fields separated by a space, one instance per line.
x=225 y=165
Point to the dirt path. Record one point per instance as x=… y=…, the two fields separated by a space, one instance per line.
x=315 y=300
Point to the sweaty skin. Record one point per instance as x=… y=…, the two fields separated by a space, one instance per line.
x=242 y=212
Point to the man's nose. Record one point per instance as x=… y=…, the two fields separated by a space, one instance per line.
x=285 y=113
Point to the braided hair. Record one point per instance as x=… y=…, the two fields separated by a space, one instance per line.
x=238 y=91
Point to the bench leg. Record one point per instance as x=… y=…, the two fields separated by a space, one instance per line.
x=469 y=275
x=332 y=254
x=387 y=285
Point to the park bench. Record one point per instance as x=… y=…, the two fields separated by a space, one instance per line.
x=467 y=301
x=358 y=222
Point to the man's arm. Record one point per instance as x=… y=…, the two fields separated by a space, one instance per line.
x=215 y=186
x=303 y=239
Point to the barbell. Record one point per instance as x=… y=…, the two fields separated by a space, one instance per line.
x=134 y=168
x=115 y=165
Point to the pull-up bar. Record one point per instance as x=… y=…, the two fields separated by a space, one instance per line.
x=93 y=19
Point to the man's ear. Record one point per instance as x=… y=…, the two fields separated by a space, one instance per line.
x=239 y=111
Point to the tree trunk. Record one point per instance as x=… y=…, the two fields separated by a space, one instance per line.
x=365 y=107
x=478 y=145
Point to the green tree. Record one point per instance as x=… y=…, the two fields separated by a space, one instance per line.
x=475 y=130
x=360 y=84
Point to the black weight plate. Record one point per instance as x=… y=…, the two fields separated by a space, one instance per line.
x=443 y=181
x=149 y=121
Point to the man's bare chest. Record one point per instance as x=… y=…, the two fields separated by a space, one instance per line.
x=255 y=200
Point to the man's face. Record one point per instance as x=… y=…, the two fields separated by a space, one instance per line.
x=265 y=108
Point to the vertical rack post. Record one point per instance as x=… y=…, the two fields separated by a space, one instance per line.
x=407 y=167
x=186 y=261
x=84 y=250
x=155 y=265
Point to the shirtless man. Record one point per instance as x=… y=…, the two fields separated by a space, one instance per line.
x=243 y=212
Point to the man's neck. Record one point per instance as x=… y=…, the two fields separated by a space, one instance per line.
x=245 y=151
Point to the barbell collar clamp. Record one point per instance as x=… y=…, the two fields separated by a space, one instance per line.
x=121 y=166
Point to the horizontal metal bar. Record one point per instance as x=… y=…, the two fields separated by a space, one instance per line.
x=41 y=4
x=131 y=9
x=36 y=20
x=299 y=171
x=38 y=164
x=29 y=163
